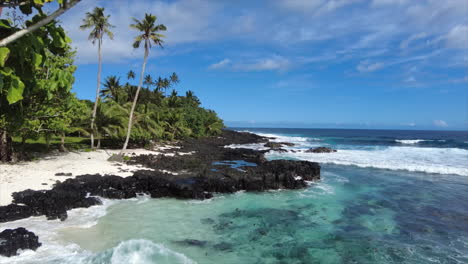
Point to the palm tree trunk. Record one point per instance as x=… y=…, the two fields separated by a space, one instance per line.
x=62 y=143
x=129 y=127
x=97 y=92
x=6 y=148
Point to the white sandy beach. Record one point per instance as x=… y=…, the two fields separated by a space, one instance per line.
x=40 y=174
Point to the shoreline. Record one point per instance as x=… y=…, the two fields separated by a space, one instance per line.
x=41 y=174
x=192 y=169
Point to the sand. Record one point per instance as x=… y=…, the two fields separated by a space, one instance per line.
x=40 y=174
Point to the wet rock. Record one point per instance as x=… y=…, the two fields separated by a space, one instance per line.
x=11 y=240
x=68 y=174
x=321 y=150
x=14 y=212
x=278 y=145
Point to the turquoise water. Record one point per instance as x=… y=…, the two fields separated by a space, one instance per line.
x=354 y=214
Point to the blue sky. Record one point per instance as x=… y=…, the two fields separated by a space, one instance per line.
x=299 y=63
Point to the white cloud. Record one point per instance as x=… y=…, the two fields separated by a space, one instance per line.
x=274 y=63
x=314 y=27
x=221 y=64
x=458 y=37
x=405 y=43
x=388 y=2
x=187 y=21
x=440 y=123
x=366 y=66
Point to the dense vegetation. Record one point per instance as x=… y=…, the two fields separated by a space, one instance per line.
x=36 y=98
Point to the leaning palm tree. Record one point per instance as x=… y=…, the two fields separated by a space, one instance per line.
x=149 y=35
x=100 y=26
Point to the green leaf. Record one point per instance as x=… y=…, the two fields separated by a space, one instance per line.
x=6 y=71
x=1 y=81
x=15 y=92
x=37 y=59
x=4 y=52
x=4 y=23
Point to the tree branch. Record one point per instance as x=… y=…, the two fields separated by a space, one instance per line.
x=39 y=24
x=13 y=4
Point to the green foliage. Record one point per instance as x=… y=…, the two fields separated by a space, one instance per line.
x=36 y=76
x=37 y=105
x=156 y=117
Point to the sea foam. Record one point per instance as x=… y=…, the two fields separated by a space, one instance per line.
x=409 y=157
x=429 y=160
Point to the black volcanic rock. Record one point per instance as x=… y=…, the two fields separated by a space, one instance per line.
x=278 y=145
x=211 y=168
x=11 y=240
x=321 y=150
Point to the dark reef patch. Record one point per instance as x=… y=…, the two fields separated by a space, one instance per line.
x=12 y=240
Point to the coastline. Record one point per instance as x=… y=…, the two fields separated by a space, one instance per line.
x=210 y=167
x=41 y=174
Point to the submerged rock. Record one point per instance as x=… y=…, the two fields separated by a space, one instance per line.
x=192 y=242
x=321 y=150
x=11 y=240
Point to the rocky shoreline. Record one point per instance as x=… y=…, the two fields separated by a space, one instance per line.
x=210 y=168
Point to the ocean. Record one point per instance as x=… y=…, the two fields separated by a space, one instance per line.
x=385 y=197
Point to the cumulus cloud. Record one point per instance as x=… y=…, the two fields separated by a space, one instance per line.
x=440 y=123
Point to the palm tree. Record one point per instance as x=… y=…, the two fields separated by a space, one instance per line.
x=148 y=81
x=131 y=75
x=159 y=84
x=149 y=35
x=110 y=121
x=99 y=23
x=112 y=88
x=166 y=83
x=174 y=78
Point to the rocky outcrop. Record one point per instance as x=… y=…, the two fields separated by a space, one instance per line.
x=278 y=145
x=320 y=150
x=11 y=240
x=211 y=168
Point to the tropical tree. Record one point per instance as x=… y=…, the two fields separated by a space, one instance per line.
x=26 y=7
x=130 y=75
x=148 y=81
x=174 y=78
x=149 y=35
x=100 y=26
x=110 y=121
x=112 y=88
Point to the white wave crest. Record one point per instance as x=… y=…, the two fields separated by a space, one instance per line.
x=429 y=160
x=410 y=141
x=142 y=251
